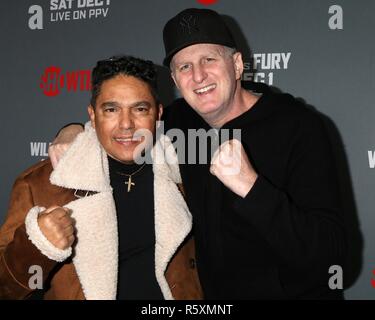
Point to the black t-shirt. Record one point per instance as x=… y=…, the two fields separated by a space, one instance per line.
x=136 y=227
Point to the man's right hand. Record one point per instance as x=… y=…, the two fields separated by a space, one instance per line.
x=62 y=142
x=57 y=226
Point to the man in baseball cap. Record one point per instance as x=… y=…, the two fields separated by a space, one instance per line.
x=273 y=229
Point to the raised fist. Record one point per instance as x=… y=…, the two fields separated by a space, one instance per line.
x=57 y=226
x=232 y=167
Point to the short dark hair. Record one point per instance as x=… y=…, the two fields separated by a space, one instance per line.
x=143 y=70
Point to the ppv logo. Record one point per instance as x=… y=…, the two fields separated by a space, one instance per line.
x=67 y=10
x=54 y=80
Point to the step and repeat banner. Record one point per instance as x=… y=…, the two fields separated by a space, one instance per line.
x=320 y=51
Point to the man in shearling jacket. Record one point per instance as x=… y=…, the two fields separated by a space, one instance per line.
x=101 y=225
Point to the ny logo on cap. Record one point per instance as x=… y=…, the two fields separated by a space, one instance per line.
x=189 y=24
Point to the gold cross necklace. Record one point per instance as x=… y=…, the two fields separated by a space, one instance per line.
x=130 y=183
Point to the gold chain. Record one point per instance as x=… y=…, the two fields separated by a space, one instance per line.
x=129 y=175
x=129 y=182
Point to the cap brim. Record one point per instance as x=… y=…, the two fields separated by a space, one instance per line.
x=168 y=58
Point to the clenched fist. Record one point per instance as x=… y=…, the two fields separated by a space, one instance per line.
x=57 y=226
x=232 y=167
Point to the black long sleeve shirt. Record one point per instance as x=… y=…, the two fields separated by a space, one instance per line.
x=136 y=229
x=280 y=240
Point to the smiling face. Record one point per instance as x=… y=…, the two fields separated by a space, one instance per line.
x=125 y=107
x=208 y=77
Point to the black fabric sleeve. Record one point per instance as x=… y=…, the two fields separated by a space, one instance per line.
x=301 y=221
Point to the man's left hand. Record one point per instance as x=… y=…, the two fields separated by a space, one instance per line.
x=232 y=167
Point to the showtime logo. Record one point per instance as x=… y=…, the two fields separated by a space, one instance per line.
x=53 y=81
x=207 y=2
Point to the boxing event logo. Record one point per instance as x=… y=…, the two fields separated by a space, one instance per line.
x=261 y=67
x=67 y=10
x=54 y=80
x=39 y=149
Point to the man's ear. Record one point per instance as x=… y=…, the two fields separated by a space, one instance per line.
x=174 y=80
x=91 y=111
x=238 y=64
x=160 y=111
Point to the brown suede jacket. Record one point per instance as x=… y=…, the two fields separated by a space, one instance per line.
x=61 y=279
